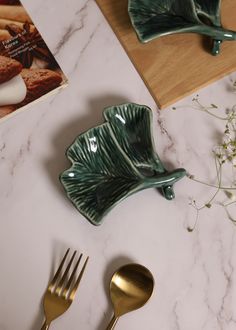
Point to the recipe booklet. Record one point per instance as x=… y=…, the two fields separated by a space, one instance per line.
x=28 y=70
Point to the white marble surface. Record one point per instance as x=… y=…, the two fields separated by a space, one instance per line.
x=194 y=272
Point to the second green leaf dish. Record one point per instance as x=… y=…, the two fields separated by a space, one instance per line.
x=156 y=18
x=114 y=160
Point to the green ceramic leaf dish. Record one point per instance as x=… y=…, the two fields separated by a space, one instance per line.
x=114 y=160
x=155 y=18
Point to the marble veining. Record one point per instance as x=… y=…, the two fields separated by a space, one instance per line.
x=194 y=272
x=80 y=14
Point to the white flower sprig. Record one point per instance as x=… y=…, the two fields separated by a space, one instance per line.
x=224 y=155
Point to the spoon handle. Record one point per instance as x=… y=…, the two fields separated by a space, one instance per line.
x=45 y=326
x=112 y=323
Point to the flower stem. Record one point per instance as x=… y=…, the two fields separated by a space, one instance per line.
x=212 y=185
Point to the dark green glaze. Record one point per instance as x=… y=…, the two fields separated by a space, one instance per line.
x=114 y=160
x=156 y=18
x=210 y=10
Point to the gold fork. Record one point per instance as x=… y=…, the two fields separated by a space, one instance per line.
x=61 y=291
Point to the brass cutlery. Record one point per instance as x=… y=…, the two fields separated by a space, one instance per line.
x=62 y=289
x=130 y=288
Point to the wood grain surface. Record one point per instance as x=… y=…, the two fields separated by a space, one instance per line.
x=174 y=66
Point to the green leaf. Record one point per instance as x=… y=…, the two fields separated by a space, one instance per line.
x=114 y=160
x=152 y=19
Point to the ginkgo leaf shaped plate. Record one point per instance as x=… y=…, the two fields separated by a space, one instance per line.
x=156 y=18
x=114 y=160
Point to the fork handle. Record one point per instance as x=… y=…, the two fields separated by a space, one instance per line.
x=112 y=323
x=45 y=326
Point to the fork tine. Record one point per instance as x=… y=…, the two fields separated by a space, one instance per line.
x=67 y=287
x=56 y=276
x=62 y=280
x=73 y=292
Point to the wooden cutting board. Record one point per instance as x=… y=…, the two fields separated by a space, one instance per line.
x=177 y=65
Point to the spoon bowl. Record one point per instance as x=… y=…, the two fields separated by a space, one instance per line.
x=130 y=288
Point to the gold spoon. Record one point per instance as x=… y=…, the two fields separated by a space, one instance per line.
x=130 y=288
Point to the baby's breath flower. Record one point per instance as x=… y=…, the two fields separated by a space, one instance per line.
x=230 y=195
x=224 y=154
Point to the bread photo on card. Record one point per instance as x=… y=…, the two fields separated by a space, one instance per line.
x=19 y=86
x=12 y=86
x=12 y=12
x=38 y=83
